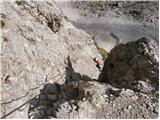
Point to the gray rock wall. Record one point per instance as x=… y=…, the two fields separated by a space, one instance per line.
x=47 y=69
x=36 y=41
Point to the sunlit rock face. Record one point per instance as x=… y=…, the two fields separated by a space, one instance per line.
x=48 y=69
x=36 y=42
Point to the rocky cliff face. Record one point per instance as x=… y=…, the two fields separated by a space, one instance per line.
x=47 y=69
x=36 y=42
x=127 y=88
x=142 y=11
x=113 y=22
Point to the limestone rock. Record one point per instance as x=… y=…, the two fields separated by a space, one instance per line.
x=36 y=42
x=92 y=99
x=133 y=65
x=48 y=69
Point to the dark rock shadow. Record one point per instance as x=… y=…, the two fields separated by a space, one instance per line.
x=121 y=73
x=53 y=96
x=71 y=75
x=41 y=107
x=133 y=84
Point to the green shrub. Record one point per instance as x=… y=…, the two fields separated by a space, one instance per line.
x=19 y=2
x=102 y=51
x=2 y=23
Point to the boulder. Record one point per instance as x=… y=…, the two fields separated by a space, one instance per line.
x=134 y=65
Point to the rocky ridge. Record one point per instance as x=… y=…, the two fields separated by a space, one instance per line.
x=48 y=69
x=142 y=11
x=113 y=22
x=121 y=92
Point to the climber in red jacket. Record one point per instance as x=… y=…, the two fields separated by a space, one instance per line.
x=99 y=63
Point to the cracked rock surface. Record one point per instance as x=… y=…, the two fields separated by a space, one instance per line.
x=92 y=99
x=134 y=65
x=47 y=69
x=121 y=92
x=36 y=42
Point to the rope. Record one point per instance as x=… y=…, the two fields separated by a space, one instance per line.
x=29 y=99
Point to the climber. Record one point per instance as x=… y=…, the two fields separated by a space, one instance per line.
x=99 y=63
